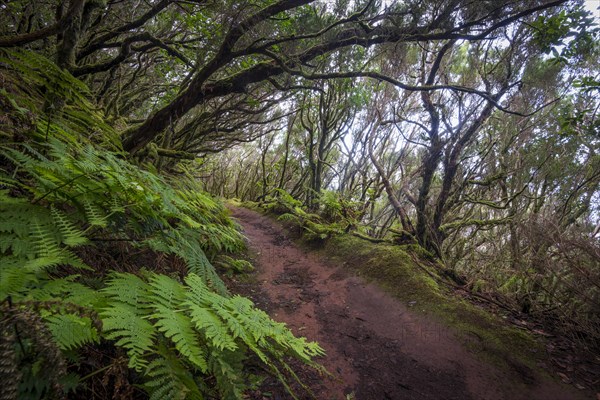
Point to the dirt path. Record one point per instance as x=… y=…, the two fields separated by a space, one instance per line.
x=377 y=348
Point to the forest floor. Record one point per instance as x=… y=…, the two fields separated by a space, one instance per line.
x=377 y=347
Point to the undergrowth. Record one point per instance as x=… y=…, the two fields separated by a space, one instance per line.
x=329 y=219
x=67 y=190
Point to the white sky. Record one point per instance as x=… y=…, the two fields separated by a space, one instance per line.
x=592 y=5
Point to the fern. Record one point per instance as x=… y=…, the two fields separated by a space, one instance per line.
x=182 y=243
x=69 y=187
x=209 y=331
x=68 y=290
x=33 y=240
x=94 y=214
x=169 y=378
x=71 y=331
x=13 y=278
x=71 y=235
x=123 y=317
x=166 y=295
x=226 y=366
x=206 y=328
x=128 y=289
x=289 y=217
x=124 y=324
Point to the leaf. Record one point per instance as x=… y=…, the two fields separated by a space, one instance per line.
x=71 y=331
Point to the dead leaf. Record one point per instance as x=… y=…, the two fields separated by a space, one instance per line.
x=564 y=377
x=541 y=332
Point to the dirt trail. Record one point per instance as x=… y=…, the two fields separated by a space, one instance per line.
x=377 y=348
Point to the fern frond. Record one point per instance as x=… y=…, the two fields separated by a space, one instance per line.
x=122 y=323
x=166 y=295
x=288 y=217
x=226 y=367
x=71 y=235
x=212 y=327
x=94 y=214
x=17 y=246
x=180 y=330
x=180 y=242
x=124 y=317
x=169 y=379
x=71 y=331
x=205 y=319
x=13 y=278
x=127 y=288
x=17 y=216
x=45 y=241
x=68 y=290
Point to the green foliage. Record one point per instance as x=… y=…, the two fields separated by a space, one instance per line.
x=71 y=331
x=566 y=35
x=334 y=208
x=169 y=378
x=123 y=319
x=46 y=100
x=33 y=239
x=587 y=84
x=280 y=203
x=335 y=214
x=205 y=328
x=311 y=224
x=167 y=295
x=234 y=266
x=60 y=195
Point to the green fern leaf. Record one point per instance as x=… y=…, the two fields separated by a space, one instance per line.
x=169 y=379
x=204 y=318
x=94 y=215
x=68 y=290
x=46 y=243
x=128 y=289
x=212 y=326
x=166 y=295
x=13 y=278
x=122 y=323
x=71 y=235
x=287 y=217
x=124 y=320
x=226 y=367
x=180 y=330
x=71 y=331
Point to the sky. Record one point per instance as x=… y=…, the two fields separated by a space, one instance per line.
x=593 y=5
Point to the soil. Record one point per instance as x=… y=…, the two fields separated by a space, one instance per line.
x=376 y=347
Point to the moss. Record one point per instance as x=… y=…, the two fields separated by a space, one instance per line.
x=234 y=202
x=418 y=251
x=394 y=269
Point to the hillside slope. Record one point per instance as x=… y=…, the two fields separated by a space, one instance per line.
x=381 y=346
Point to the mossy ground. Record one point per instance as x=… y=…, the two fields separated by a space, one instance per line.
x=396 y=271
x=399 y=272
x=517 y=361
